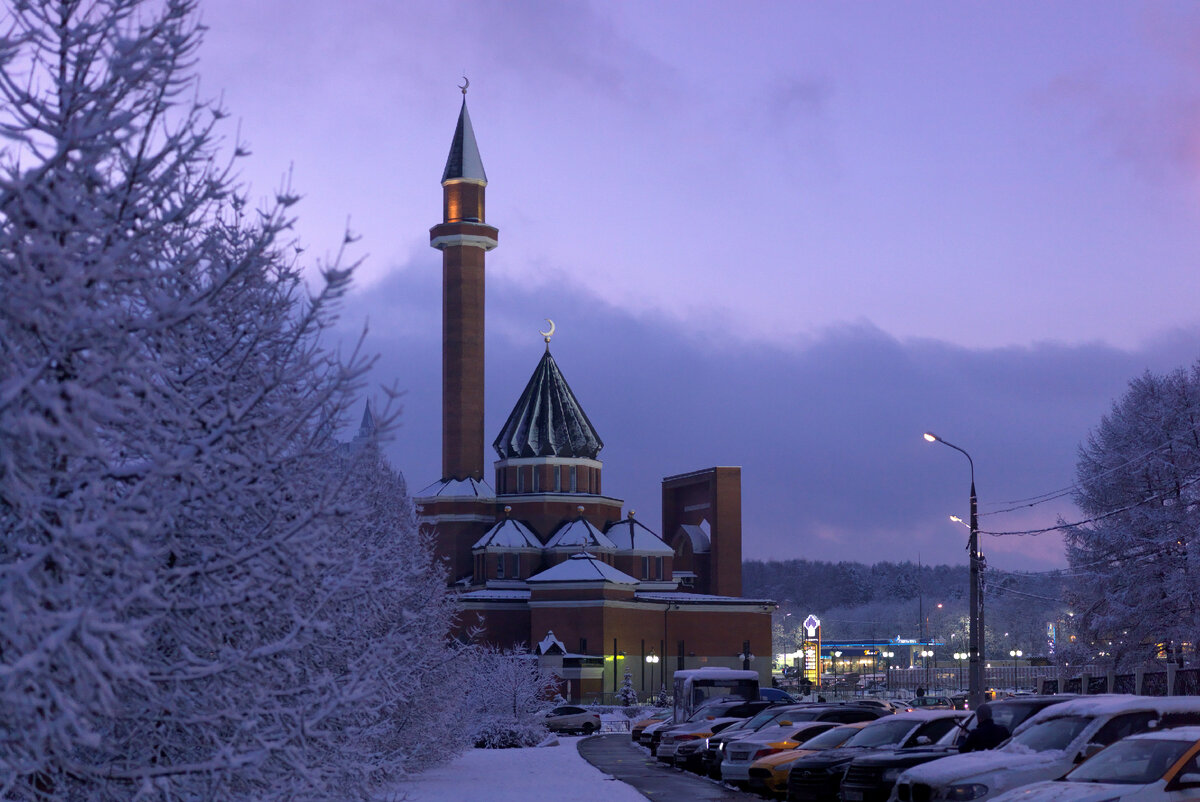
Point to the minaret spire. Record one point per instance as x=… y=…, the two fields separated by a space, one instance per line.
x=463 y=238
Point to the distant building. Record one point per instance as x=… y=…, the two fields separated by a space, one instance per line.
x=543 y=557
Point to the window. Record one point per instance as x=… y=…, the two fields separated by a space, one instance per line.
x=537 y=476
x=658 y=567
x=557 y=478
x=520 y=480
x=645 y=568
x=514 y=561
x=499 y=566
x=574 y=479
x=1121 y=726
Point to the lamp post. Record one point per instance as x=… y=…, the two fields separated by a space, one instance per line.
x=887 y=669
x=652 y=659
x=1014 y=654
x=836 y=655
x=975 y=645
x=958 y=658
x=925 y=655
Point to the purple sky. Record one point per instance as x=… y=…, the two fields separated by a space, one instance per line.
x=789 y=237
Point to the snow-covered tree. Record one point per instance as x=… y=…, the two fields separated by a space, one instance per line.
x=202 y=594
x=626 y=695
x=511 y=688
x=1136 y=585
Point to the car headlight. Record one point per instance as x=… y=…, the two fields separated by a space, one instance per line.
x=966 y=791
x=890 y=775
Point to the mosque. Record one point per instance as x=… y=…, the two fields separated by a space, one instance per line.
x=542 y=556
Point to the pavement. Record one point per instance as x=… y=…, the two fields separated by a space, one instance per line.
x=617 y=755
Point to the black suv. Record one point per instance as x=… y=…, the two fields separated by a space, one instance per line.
x=818 y=778
x=870 y=778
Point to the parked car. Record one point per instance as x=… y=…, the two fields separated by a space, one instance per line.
x=1045 y=747
x=569 y=718
x=786 y=735
x=655 y=716
x=818 y=778
x=768 y=776
x=929 y=703
x=1158 y=766
x=834 y=713
x=870 y=778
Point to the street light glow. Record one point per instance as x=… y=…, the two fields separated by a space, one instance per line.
x=933 y=438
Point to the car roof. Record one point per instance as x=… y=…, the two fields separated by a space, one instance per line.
x=924 y=715
x=1109 y=704
x=1191 y=733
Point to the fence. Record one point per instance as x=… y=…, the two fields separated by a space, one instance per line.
x=1173 y=681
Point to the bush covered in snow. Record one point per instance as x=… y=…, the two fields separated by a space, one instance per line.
x=510 y=693
x=502 y=733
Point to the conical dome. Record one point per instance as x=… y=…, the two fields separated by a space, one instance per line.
x=548 y=420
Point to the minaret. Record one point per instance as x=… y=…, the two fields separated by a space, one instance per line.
x=463 y=238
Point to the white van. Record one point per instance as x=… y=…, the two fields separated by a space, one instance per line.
x=1045 y=747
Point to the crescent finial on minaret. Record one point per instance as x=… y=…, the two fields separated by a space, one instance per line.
x=466 y=82
x=548 y=334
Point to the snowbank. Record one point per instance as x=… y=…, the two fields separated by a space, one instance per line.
x=516 y=775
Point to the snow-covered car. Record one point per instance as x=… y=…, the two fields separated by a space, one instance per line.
x=1045 y=747
x=739 y=754
x=1160 y=766
x=569 y=718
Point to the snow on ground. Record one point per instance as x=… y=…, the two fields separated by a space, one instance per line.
x=517 y=775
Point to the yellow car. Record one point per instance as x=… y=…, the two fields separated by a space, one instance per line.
x=769 y=775
x=636 y=730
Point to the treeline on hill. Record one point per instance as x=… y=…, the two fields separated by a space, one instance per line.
x=888 y=600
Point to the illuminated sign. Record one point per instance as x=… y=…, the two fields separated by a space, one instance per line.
x=811 y=625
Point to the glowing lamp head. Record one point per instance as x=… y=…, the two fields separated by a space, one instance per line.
x=933 y=438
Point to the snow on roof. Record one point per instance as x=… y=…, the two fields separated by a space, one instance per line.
x=698 y=535
x=508 y=534
x=583 y=568
x=579 y=534
x=633 y=535
x=701 y=598
x=1109 y=703
x=457 y=488
x=1171 y=734
x=550 y=642
x=496 y=595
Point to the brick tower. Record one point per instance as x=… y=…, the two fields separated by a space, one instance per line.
x=463 y=238
x=461 y=506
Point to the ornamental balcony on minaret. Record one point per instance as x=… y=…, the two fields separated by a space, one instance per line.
x=548 y=451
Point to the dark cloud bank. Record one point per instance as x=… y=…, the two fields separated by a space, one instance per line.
x=827 y=431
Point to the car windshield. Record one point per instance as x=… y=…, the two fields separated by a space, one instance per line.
x=1136 y=761
x=831 y=738
x=1055 y=733
x=885 y=733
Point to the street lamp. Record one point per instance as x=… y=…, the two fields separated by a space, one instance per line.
x=1014 y=654
x=887 y=669
x=975 y=646
x=925 y=655
x=959 y=657
x=652 y=659
x=836 y=655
